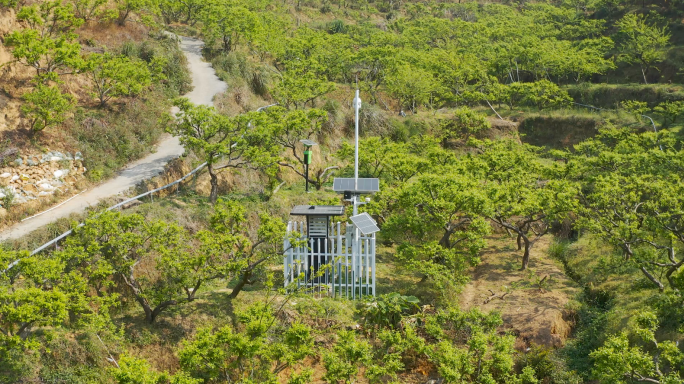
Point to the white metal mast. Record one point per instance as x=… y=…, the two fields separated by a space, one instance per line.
x=357 y=106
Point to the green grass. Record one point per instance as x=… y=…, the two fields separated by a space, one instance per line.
x=110 y=139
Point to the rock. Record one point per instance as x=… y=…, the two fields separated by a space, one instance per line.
x=19 y=162
x=44 y=193
x=46 y=187
x=15 y=177
x=58 y=173
x=78 y=156
x=131 y=204
x=31 y=163
x=5 y=175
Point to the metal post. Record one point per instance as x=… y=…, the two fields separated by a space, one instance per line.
x=307 y=177
x=357 y=106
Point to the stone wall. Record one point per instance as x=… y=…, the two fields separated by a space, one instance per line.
x=33 y=177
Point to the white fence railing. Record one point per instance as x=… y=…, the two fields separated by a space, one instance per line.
x=339 y=265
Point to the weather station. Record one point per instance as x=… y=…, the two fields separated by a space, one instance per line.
x=339 y=258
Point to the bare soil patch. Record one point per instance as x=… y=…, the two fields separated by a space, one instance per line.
x=532 y=303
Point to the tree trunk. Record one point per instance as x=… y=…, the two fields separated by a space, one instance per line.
x=526 y=255
x=123 y=15
x=444 y=241
x=213 y=195
x=653 y=279
x=519 y=242
x=643 y=73
x=146 y=307
x=160 y=308
x=241 y=284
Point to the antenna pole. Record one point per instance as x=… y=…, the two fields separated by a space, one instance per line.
x=357 y=106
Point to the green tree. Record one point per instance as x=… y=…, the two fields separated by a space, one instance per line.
x=636 y=108
x=116 y=76
x=464 y=124
x=32 y=296
x=127 y=7
x=642 y=42
x=89 y=10
x=222 y=142
x=347 y=356
x=541 y=94
x=115 y=249
x=621 y=361
x=393 y=162
x=373 y=64
x=522 y=196
x=46 y=106
x=249 y=251
x=484 y=356
x=49 y=44
x=254 y=353
x=670 y=111
x=630 y=197
x=229 y=25
x=133 y=370
x=436 y=220
x=411 y=86
x=299 y=87
x=287 y=128
x=170 y=10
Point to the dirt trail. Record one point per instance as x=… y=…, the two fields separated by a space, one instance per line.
x=533 y=310
x=205 y=84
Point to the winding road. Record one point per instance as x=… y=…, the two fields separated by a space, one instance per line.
x=205 y=86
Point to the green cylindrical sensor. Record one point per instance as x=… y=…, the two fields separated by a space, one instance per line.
x=307 y=157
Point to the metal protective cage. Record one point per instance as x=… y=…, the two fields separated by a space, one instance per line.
x=339 y=265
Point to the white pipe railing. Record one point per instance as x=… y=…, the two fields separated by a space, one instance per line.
x=67 y=233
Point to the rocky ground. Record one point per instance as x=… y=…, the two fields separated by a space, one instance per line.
x=33 y=177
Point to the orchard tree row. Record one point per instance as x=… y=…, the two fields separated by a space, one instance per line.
x=430 y=55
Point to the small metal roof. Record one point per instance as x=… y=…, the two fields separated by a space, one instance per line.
x=363 y=185
x=317 y=210
x=365 y=223
x=308 y=142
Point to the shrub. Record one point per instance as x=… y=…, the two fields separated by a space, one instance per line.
x=8 y=3
x=386 y=311
x=541 y=94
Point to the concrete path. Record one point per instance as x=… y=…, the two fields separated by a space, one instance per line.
x=205 y=84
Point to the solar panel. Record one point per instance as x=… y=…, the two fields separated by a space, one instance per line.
x=363 y=186
x=307 y=142
x=365 y=223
